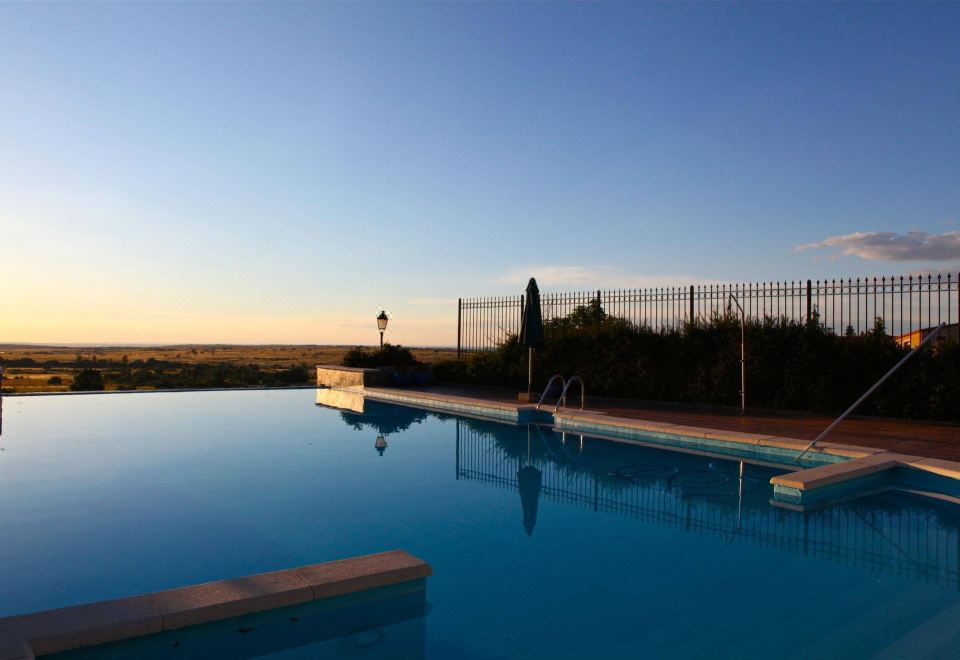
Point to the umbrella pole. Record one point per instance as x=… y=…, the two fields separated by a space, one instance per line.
x=529 y=372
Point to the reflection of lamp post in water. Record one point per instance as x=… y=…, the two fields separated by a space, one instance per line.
x=380 y=444
x=382 y=324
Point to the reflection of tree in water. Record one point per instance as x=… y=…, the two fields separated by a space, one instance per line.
x=621 y=467
x=384 y=418
x=614 y=465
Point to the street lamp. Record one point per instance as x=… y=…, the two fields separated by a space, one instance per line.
x=382 y=324
x=381 y=444
x=743 y=353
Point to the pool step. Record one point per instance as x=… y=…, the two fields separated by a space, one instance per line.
x=861 y=476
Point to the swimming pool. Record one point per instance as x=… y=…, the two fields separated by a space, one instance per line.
x=542 y=545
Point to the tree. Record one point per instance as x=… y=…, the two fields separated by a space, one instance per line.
x=590 y=314
x=87 y=380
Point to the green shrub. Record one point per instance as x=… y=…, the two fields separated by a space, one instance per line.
x=790 y=366
x=388 y=356
x=87 y=380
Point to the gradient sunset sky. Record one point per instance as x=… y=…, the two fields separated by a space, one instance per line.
x=277 y=173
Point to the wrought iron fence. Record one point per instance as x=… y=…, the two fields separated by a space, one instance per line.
x=907 y=306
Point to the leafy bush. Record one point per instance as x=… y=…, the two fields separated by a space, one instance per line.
x=87 y=380
x=790 y=365
x=388 y=356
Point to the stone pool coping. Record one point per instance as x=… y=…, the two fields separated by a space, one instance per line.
x=843 y=463
x=597 y=421
x=53 y=631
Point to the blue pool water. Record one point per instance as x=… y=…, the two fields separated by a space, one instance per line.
x=542 y=546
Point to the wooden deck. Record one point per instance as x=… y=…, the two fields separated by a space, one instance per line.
x=934 y=440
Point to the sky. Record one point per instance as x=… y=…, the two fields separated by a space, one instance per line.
x=278 y=173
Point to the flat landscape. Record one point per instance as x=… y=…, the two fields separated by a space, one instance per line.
x=30 y=368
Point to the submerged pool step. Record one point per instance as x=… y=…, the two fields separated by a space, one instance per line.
x=55 y=631
x=862 y=476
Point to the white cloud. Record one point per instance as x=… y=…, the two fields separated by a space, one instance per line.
x=891 y=246
x=589 y=277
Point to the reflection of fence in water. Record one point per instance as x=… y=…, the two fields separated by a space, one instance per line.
x=908 y=540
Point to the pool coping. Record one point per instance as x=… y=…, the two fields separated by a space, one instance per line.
x=595 y=421
x=841 y=463
x=24 y=637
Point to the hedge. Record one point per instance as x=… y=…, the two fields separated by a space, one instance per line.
x=790 y=365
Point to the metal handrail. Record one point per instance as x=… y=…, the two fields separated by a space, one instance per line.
x=563 y=443
x=547 y=389
x=936 y=331
x=563 y=396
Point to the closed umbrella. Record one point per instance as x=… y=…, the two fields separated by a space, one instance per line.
x=531 y=328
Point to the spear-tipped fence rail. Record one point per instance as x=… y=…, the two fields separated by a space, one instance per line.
x=907 y=306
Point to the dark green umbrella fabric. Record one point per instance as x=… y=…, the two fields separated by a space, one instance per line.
x=531 y=325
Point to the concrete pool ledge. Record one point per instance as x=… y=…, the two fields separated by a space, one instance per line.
x=500 y=411
x=602 y=423
x=872 y=473
x=827 y=472
x=596 y=422
x=53 y=631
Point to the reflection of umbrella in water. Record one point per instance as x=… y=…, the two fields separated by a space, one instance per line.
x=529 y=480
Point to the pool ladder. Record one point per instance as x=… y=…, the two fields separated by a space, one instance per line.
x=563 y=394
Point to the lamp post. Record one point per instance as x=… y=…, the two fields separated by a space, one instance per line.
x=380 y=445
x=382 y=324
x=743 y=355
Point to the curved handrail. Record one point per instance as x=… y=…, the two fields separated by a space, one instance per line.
x=547 y=389
x=563 y=395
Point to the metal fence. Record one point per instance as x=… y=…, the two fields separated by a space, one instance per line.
x=910 y=540
x=907 y=305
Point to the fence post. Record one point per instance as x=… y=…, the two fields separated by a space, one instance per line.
x=809 y=301
x=520 y=318
x=691 y=304
x=459 y=323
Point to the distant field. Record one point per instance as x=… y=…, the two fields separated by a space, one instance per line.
x=267 y=358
